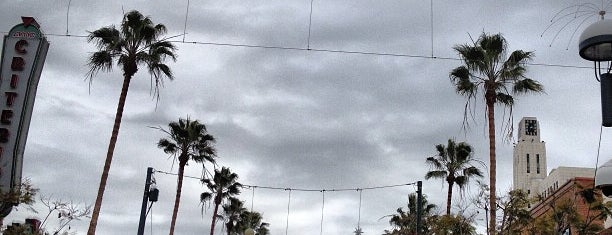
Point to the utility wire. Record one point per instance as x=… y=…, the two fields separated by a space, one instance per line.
x=303 y=189
x=336 y=51
x=288 y=206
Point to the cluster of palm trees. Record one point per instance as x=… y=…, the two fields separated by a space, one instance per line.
x=139 y=42
x=188 y=140
x=487 y=69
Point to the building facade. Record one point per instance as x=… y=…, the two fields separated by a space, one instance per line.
x=529 y=160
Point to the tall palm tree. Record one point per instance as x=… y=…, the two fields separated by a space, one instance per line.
x=231 y=213
x=453 y=163
x=223 y=185
x=486 y=67
x=187 y=140
x=137 y=42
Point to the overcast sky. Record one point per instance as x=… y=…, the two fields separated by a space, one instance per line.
x=294 y=118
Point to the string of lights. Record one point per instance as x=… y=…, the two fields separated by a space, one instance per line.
x=303 y=189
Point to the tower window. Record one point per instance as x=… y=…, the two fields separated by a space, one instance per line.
x=538 y=163
x=528 y=171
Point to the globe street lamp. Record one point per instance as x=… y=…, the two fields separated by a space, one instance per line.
x=249 y=231
x=596 y=45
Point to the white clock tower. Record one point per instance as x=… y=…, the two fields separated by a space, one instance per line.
x=529 y=161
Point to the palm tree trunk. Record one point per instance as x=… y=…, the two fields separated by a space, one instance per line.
x=492 y=163
x=177 y=200
x=214 y=218
x=449 y=197
x=109 y=156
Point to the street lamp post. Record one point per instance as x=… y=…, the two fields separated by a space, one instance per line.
x=596 y=45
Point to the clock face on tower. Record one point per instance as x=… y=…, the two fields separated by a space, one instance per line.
x=531 y=127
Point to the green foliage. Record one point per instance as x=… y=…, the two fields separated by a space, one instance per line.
x=253 y=220
x=564 y=215
x=24 y=194
x=189 y=140
x=516 y=214
x=453 y=163
x=137 y=42
x=224 y=185
x=452 y=224
x=238 y=219
x=404 y=222
x=486 y=71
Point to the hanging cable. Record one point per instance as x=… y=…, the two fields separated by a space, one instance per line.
x=288 y=206
x=309 y=25
x=322 y=210
x=598 y=150
x=67 y=14
x=185 y=26
x=432 y=27
x=359 y=216
x=303 y=189
x=252 y=198
x=151 y=216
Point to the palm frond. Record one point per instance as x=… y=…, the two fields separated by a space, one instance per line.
x=526 y=86
x=504 y=99
x=436 y=174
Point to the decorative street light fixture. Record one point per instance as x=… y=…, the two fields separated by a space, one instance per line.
x=596 y=45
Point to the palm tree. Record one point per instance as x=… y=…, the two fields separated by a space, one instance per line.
x=223 y=186
x=486 y=67
x=453 y=163
x=137 y=42
x=252 y=220
x=231 y=213
x=188 y=140
x=404 y=222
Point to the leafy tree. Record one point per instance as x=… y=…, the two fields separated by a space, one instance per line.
x=453 y=163
x=24 y=194
x=187 y=140
x=597 y=211
x=137 y=42
x=223 y=185
x=486 y=67
x=516 y=214
x=404 y=222
x=453 y=224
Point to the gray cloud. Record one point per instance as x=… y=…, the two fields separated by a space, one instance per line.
x=302 y=119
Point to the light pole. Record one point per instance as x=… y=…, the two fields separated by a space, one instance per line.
x=151 y=194
x=596 y=45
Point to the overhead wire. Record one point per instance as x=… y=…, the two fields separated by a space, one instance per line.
x=322 y=210
x=249 y=186
x=288 y=206
x=334 y=51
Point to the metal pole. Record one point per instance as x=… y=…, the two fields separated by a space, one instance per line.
x=419 y=207
x=606 y=99
x=145 y=200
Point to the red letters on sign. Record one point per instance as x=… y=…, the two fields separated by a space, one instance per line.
x=10 y=98
x=17 y=64
x=19 y=46
x=14 y=80
x=4 y=135
x=5 y=117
